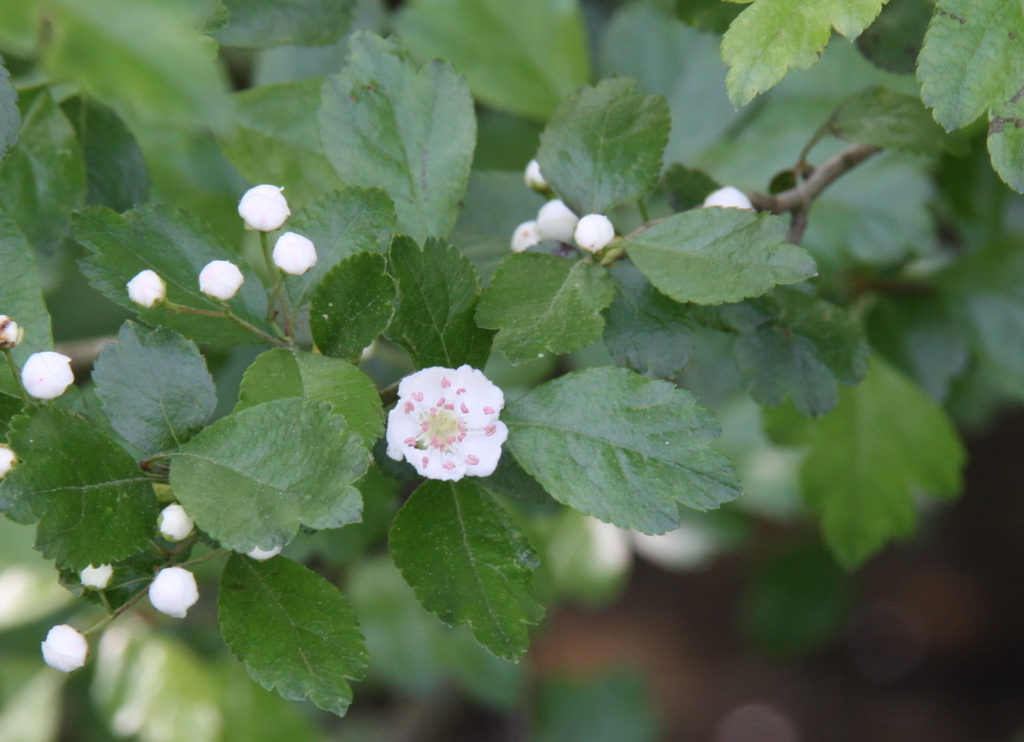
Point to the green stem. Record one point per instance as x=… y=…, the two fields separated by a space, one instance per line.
x=200 y=560
x=17 y=376
x=643 y=210
x=114 y=614
x=278 y=277
x=227 y=314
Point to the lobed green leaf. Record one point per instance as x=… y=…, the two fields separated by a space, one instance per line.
x=352 y=305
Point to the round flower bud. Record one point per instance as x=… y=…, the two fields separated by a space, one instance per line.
x=65 y=649
x=147 y=289
x=46 y=375
x=220 y=279
x=174 y=523
x=294 y=254
x=10 y=333
x=525 y=236
x=174 y=591
x=533 y=177
x=97 y=577
x=728 y=197
x=7 y=460
x=264 y=208
x=555 y=221
x=594 y=232
x=260 y=555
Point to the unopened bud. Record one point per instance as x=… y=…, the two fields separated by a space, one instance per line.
x=7 y=460
x=525 y=236
x=65 y=649
x=97 y=577
x=47 y=375
x=728 y=197
x=556 y=221
x=534 y=178
x=594 y=232
x=174 y=523
x=10 y=332
x=174 y=591
x=147 y=289
x=261 y=555
x=220 y=279
x=264 y=208
x=294 y=254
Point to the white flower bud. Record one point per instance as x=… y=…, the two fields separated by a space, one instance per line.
x=46 y=375
x=264 y=208
x=220 y=279
x=261 y=555
x=147 y=289
x=97 y=577
x=555 y=221
x=7 y=460
x=728 y=197
x=174 y=591
x=174 y=523
x=10 y=333
x=65 y=649
x=525 y=236
x=594 y=232
x=294 y=254
x=534 y=178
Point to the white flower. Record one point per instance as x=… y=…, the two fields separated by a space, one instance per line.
x=46 y=375
x=525 y=236
x=174 y=591
x=534 y=178
x=264 y=208
x=220 y=279
x=262 y=555
x=174 y=523
x=446 y=423
x=97 y=577
x=555 y=221
x=10 y=333
x=7 y=460
x=728 y=197
x=594 y=232
x=147 y=289
x=294 y=254
x=65 y=649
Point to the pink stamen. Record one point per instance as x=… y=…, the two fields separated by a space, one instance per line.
x=445 y=383
x=450 y=407
x=465 y=410
x=409 y=407
x=410 y=441
x=418 y=396
x=462 y=437
x=472 y=460
x=424 y=427
x=452 y=440
x=425 y=462
x=488 y=410
x=440 y=402
x=491 y=429
x=449 y=465
x=460 y=391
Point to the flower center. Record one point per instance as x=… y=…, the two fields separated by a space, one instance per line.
x=440 y=429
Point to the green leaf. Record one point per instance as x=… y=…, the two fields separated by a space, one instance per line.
x=707 y=15
x=42 y=179
x=115 y=170
x=352 y=305
x=716 y=255
x=603 y=146
x=252 y=478
x=793 y=344
x=93 y=503
x=620 y=447
x=21 y=298
x=884 y=443
x=644 y=329
x=411 y=131
x=176 y=245
x=341 y=224
x=274 y=138
x=19 y=27
x=687 y=188
x=10 y=117
x=895 y=38
x=262 y=23
x=771 y=37
x=468 y=563
x=509 y=480
x=495 y=204
x=155 y=388
x=541 y=303
x=437 y=296
x=283 y=374
x=293 y=630
x=140 y=56
x=522 y=57
x=891 y=120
